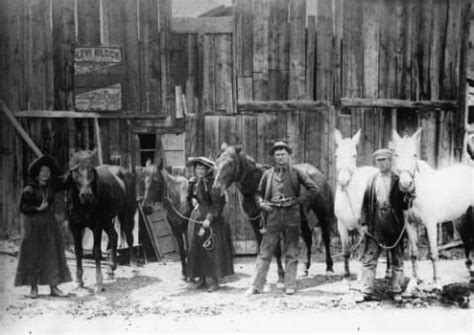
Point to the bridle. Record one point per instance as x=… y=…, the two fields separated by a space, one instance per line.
x=210 y=241
x=410 y=193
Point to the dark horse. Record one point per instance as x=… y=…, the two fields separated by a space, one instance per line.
x=172 y=191
x=235 y=166
x=96 y=195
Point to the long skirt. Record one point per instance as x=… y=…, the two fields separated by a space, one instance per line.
x=41 y=259
x=214 y=258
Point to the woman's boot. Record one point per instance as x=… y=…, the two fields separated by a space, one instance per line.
x=214 y=285
x=34 y=292
x=56 y=292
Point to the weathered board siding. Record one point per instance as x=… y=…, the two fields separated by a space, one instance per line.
x=37 y=41
x=378 y=49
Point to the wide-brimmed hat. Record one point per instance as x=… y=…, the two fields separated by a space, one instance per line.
x=280 y=145
x=192 y=161
x=46 y=160
x=382 y=153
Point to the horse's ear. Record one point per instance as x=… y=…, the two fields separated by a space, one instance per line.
x=337 y=136
x=224 y=146
x=148 y=162
x=417 y=134
x=395 y=137
x=238 y=148
x=356 y=137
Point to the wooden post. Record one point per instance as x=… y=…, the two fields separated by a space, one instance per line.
x=20 y=129
x=461 y=119
x=179 y=102
x=98 y=142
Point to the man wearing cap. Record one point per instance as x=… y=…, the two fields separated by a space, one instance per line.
x=279 y=196
x=382 y=224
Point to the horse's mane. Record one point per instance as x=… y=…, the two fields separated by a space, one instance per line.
x=424 y=166
x=177 y=189
x=84 y=157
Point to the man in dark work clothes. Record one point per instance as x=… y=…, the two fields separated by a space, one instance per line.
x=279 y=195
x=382 y=224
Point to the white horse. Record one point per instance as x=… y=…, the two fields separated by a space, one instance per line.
x=351 y=184
x=438 y=195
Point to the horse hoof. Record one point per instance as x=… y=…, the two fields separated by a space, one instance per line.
x=305 y=273
x=98 y=289
x=331 y=273
x=280 y=285
x=78 y=285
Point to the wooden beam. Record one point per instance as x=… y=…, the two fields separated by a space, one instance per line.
x=288 y=105
x=212 y=25
x=397 y=103
x=88 y=115
x=20 y=129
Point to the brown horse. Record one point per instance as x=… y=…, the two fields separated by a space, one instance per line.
x=96 y=195
x=234 y=166
x=172 y=191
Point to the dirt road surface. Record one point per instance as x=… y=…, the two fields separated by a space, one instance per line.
x=155 y=299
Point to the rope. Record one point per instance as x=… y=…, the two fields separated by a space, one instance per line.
x=350 y=203
x=372 y=236
x=396 y=242
x=209 y=243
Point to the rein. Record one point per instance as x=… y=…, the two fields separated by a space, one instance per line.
x=383 y=246
x=209 y=243
x=370 y=235
x=350 y=203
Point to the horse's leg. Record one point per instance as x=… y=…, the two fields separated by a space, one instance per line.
x=97 y=256
x=112 y=234
x=413 y=243
x=178 y=236
x=77 y=235
x=256 y=230
x=127 y=224
x=325 y=223
x=467 y=249
x=388 y=270
x=308 y=241
x=281 y=271
x=431 y=227
x=344 y=234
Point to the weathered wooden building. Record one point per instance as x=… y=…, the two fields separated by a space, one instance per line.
x=258 y=71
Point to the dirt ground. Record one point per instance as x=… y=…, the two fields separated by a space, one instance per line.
x=155 y=299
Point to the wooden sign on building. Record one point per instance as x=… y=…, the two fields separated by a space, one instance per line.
x=97 y=78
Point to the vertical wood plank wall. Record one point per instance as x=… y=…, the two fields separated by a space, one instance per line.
x=278 y=50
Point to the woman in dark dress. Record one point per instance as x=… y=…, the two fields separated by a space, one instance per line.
x=210 y=252
x=42 y=260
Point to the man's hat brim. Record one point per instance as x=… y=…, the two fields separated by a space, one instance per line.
x=192 y=161
x=279 y=146
x=46 y=160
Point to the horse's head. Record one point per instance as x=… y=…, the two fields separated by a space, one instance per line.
x=406 y=158
x=82 y=167
x=346 y=157
x=154 y=186
x=228 y=167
